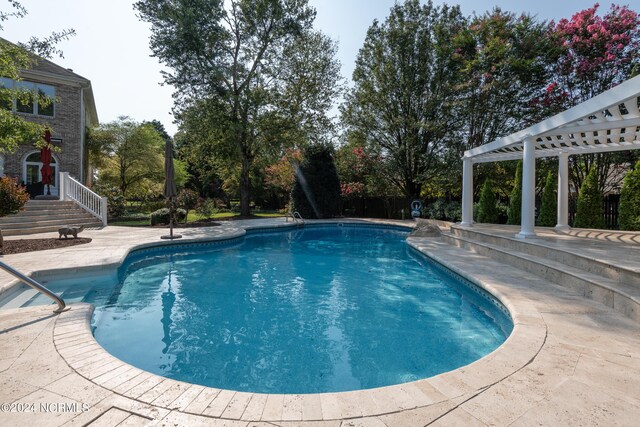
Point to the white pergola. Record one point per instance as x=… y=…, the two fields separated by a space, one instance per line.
x=607 y=122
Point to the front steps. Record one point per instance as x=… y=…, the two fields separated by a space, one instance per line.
x=614 y=285
x=42 y=216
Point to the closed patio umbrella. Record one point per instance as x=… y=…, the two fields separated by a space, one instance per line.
x=45 y=158
x=170 y=190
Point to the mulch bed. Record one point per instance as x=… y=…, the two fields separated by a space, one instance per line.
x=30 y=245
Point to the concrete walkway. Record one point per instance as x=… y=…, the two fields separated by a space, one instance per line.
x=569 y=361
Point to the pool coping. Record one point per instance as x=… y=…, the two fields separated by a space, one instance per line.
x=75 y=343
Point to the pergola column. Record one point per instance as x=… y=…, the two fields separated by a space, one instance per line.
x=528 y=190
x=467 y=193
x=563 y=191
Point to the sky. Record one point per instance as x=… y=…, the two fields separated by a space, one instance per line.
x=111 y=46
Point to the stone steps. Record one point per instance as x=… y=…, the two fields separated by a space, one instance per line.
x=42 y=216
x=19 y=221
x=540 y=248
x=612 y=285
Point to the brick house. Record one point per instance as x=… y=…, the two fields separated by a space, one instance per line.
x=73 y=111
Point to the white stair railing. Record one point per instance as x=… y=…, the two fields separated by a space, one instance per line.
x=70 y=189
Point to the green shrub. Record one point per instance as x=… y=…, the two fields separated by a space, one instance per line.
x=161 y=216
x=444 y=210
x=152 y=203
x=503 y=213
x=487 y=210
x=13 y=196
x=116 y=204
x=549 y=207
x=589 y=213
x=630 y=201
x=435 y=210
x=207 y=207
x=188 y=200
x=515 y=198
x=453 y=211
x=316 y=191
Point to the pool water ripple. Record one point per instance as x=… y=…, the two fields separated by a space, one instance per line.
x=320 y=309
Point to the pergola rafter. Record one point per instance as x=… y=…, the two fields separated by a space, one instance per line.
x=605 y=123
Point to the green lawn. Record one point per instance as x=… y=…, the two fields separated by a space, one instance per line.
x=193 y=216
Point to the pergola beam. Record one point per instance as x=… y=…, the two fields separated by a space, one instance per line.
x=594 y=126
x=551 y=152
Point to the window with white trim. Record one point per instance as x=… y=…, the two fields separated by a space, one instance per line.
x=30 y=98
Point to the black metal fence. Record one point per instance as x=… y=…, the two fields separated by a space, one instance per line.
x=367 y=207
x=393 y=208
x=611 y=203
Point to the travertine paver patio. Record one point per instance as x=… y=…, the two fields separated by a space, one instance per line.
x=569 y=361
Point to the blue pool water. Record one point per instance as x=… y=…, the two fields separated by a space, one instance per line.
x=312 y=310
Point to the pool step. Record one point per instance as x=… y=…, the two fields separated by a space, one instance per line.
x=616 y=292
x=545 y=249
x=18 y=298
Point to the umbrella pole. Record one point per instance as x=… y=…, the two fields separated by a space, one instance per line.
x=171 y=215
x=172 y=212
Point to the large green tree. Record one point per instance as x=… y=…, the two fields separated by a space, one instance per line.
x=403 y=87
x=506 y=61
x=234 y=65
x=505 y=66
x=14 y=130
x=133 y=156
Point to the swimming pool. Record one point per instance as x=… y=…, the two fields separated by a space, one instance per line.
x=318 y=309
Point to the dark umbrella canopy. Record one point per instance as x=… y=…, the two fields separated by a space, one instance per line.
x=170 y=189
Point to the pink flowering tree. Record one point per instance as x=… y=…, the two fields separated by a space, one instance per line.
x=597 y=53
x=361 y=171
x=279 y=177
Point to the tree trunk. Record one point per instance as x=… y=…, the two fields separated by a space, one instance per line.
x=413 y=191
x=245 y=188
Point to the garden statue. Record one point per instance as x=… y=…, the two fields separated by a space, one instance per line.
x=74 y=231
x=416 y=208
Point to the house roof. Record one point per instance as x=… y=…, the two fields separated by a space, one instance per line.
x=48 y=71
x=607 y=122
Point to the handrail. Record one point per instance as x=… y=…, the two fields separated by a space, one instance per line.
x=298 y=215
x=83 y=196
x=295 y=215
x=37 y=286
